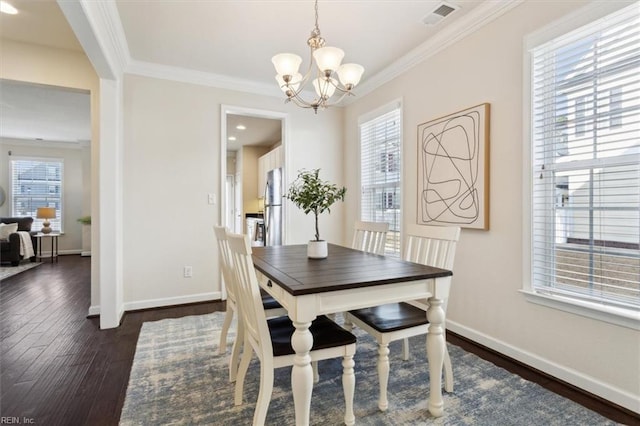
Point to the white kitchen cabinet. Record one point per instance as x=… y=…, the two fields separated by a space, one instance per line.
x=269 y=161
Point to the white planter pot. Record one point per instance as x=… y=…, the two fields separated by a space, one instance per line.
x=317 y=249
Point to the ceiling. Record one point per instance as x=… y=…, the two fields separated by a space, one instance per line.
x=257 y=131
x=233 y=39
x=39 y=112
x=47 y=113
x=238 y=38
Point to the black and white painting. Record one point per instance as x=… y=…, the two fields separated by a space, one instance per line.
x=453 y=169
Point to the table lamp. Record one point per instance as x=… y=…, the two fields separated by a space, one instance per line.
x=46 y=213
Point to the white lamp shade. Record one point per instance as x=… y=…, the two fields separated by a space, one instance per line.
x=293 y=84
x=286 y=63
x=350 y=74
x=324 y=88
x=328 y=58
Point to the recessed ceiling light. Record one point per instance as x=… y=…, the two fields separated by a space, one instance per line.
x=241 y=127
x=232 y=138
x=7 y=8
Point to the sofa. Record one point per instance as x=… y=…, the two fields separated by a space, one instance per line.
x=10 y=247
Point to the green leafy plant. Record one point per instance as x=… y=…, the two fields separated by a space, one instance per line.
x=85 y=220
x=311 y=194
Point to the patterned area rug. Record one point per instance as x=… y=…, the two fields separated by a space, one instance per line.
x=178 y=378
x=9 y=271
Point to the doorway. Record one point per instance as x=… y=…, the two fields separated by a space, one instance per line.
x=45 y=124
x=246 y=136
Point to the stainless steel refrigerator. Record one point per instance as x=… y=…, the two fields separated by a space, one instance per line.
x=273 y=208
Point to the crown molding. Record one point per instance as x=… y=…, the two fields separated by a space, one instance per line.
x=478 y=17
x=202 y=78
x=105 y=21
x=106 y=15
x=98 y=28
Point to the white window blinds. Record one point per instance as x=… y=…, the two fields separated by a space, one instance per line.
x=586 y=162
x=380 y=172
x=37 y=183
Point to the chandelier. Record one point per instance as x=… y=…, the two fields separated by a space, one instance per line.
x=327 y=60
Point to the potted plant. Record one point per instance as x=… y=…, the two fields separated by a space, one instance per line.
x=313 y=195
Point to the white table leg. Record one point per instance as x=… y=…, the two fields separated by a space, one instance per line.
x=301 y=372
x=435 y=354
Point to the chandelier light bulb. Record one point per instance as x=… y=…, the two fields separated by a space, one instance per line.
x=286 y=63
x=328 y=58
x=294 y=83
x=350 y=74
x=325 y=88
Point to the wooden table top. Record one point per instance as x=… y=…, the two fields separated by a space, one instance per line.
x=345 y=268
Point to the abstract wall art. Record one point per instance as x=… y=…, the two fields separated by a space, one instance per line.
x=453 y=169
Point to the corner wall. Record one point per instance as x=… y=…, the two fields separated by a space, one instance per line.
x=172 y=161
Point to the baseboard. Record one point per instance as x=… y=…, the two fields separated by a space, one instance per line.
x=73 y=251
x=566 y=374
x=170 y=301
x=94 y=311
x=46 y=254
x=85 y=253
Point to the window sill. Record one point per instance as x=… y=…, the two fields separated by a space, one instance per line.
x=617 y=316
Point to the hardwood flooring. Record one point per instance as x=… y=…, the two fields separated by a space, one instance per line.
x=58 y=368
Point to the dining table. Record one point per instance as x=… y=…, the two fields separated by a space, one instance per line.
x=349 y=279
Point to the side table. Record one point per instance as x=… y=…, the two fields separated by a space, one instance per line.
x=54 y=245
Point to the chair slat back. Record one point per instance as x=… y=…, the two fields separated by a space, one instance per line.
x=370 y=236
x=224 y=258
x=431 y=245
x=249 y=300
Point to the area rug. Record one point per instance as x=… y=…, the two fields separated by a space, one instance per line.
x=178 y=378
x=9 y=271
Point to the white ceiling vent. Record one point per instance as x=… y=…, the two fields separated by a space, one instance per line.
x=441 y=11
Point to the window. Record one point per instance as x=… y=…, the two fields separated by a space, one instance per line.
x=585 y=199
x=388 y=162
x=36 y=182
x=615 y=107
x=582 y=107
x=380 y=145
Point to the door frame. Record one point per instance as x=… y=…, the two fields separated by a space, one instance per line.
x=259 y=113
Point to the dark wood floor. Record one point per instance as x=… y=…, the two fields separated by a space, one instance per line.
x=58 y=368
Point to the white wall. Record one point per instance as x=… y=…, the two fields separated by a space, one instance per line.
x=172 y=161
x=485 y=303
x=73 y=190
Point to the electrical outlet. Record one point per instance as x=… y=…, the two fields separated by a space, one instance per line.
x=212 y=198
x=188 y=271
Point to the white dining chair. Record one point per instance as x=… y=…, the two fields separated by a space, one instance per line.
x=271 y=307
x=370 y=236
x=270 y=339
x=429 y=245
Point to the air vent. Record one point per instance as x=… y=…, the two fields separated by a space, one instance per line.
x=441 y=11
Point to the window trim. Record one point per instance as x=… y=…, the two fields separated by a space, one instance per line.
x=628 y=318
x=368 y=116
